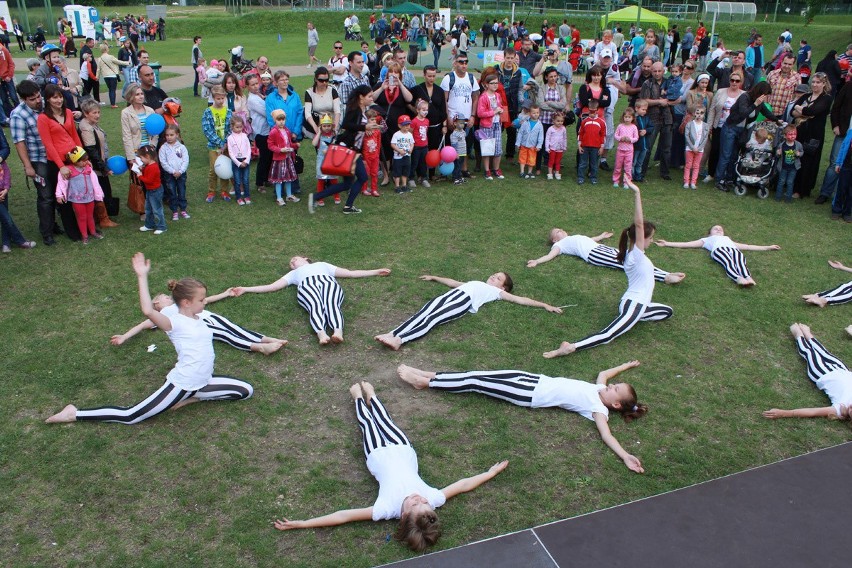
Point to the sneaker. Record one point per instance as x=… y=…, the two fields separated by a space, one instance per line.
x=530 y=176
x=581 y=181
x=209 y=198
x=488 y=175
x=226 y=197
x=145 y=229
x=708 y=178
x=184 y=214
x=686 y=186
x=466 y=174
x=625 y=186
x=175 y=216
x=7 y=248
x=549 y=176
x=337 y=199
x=281 y=202
x=375 y=193
x=293 y=199
x=412 y=184
x=26 y=245
x=365 y=192
x=820 y=200
x=113 y=106
x=85 y=241
x=311 y=203
x=348 y=210
x=457 y=182
x=522 y=175
x=97 y=234
x=499 y=174
x=247 y=201
x=231 y=192
x=557 y=175
x=241 y=201
x=615 y=185
x=464 y=180
x=848 y=218
x=159 y=231
x=604 y=166
x=425 y=183
x=692 y=187
x=594 y=182
x=721 y=186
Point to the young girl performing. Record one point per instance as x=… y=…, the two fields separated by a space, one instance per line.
x=724 y=251
x=636 y=304
x=192 y=378
x=223 y=329
x=591 y=401
x=596 y=254
x=318 y=292
x=403 y=494
x=465 y=297
x=835 y=296
x=827 y=372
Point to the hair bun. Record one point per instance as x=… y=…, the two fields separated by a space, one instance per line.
x=172 y=285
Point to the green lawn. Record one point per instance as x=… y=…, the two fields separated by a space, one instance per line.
x=200 y=487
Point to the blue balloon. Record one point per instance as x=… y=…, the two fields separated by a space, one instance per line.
x=446 y=168
x=155 y=124
x=117 y=165
x=480 y=55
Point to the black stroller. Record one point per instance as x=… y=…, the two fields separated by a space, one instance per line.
x=756 y=167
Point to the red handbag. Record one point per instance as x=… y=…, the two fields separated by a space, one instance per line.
x=339 y=161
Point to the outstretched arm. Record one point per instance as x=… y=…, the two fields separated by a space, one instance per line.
x=605 y=376
x=631 y=461
x=279 y=284
x=334 y=519
x=132 y=332
x=441 y=280
x=743 y=246
x=839 y=265
x=554 y=252
x=685 y=245
x=345 y=273
x=602 y=237
x=638 y=219
x=216 y=297
x=524 y=301
x=825 y=411
x=142 y=266
x=471 y=483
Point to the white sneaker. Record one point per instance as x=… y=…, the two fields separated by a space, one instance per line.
x=557 y=175
x=412 y=184
x=708 y=179
x=549 y=176
x=686 y=186
x=159 y=232
x=692 y=186
x=615 y=185
x=145 y=229
x=281 y=202
x=425 y=183
x=293 y=199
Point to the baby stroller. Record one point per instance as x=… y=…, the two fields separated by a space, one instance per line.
x=354 y=33
x=575 y=57
x=239 y=65
x=472 y=38
x=755 y=167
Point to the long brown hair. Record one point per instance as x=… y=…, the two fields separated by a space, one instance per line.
x=418 y=532
x=631 y=409
x=628 y=235
x=185 y=289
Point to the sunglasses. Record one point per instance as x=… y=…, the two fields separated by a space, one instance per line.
x=462 y=61
x=338 y=47
x=735 y=81
x=322 y=80
x=689 y=67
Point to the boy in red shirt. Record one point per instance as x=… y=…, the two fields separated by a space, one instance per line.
x=148 y=171
x=590 y=140
x=420 y=129
x=370 y=150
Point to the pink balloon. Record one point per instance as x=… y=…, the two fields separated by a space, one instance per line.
x=448 y=154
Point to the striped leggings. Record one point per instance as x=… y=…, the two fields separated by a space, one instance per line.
x=630 y=312
x=512 y=386
x=321 y=296
x=228 y=332
x=607 y=257
x=820 y=362
x=219 y=388
x=377 y=428
x=839 y=295
x=445 y=308
x=733 y=261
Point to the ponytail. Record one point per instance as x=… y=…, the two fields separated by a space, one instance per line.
x=628 y=236
x=185 y=288
x=631 y=409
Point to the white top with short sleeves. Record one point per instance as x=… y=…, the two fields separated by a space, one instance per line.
x=577 y=245
x=480 y=293
x=395 y=468
x=720 y=241
x=577 y=396
x=193 y=341
x=640 y=276
x=296 y=277
x=837 y=385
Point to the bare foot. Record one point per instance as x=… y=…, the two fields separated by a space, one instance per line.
x=796 y=330
x=849 y=330
x=815 y=299
x=565 y=348
x=337 y=336
x=267 y=348
x=67 y=414
x=389 y=340
x=806 y=331
x=746 y=282
x=181 y=404
x=265 y=339
x=368 y=390
x=355 y=391
x=323 y=337
x=414 y=377
x=674 y=277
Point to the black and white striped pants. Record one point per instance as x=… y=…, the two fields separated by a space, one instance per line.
x=512 y=386
x=733 y=261
x=819 y=361
x=839 y=295
x=377 y=428
x=630 y=312
x=321 y=296
x=228 y=332
x=443 y=309
x=607 y=257
x=219 y=388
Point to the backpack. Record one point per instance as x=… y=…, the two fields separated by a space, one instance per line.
x=469 y=78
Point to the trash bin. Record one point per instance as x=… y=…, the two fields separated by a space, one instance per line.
x=421 y=41
x=156 y=67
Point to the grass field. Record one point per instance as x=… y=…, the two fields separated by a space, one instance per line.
x=200 y=487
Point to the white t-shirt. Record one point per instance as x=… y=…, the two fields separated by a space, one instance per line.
x=577 y=245
x=720 y=241
x=577 y=396
x=296 y=277
x=838 y=386
x=460 y=101
x=172 y=309
x=395 y=468
x=405 y=142
x=480 y=293
x=193 y=341
x=640 y=276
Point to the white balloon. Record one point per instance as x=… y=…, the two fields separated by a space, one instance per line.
x=222 y=167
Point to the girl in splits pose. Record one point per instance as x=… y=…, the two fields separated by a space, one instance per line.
x=724 y=251
x=835 y=296
x=596 y=254
x=223 y=329
x=403 y=494
x=464 y=297
x=318 y=292
x=591 y=401
x=827 y=372
x=192 y=378
x=636 y=304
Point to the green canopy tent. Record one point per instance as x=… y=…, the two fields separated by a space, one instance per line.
x=628 y=15
x=407 y=8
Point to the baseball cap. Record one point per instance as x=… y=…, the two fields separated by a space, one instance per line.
x=404 y=119
x=606 y=52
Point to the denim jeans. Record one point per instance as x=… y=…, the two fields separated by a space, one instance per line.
x=589 y=160
x=436 y=51
x=8 y=229
x=785 y=184
x=9 y=96
x=352 y=184
x=241 y=181
x=842 y=204
x=175 y=189
x=829 y=183
x=112 y=85
x=638 y=160
x=664 y=135
x=727 y=153
x=154 y=218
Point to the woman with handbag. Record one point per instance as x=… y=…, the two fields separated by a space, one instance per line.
x=810 y=111
x=720 y=108
x=351 y=137
x=134 y=136
x=94 y=142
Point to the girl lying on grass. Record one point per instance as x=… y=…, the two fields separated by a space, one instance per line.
x=835 y=296
x=592 y=401
x=402 y=494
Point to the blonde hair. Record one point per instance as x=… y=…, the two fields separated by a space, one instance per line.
x=185 y=288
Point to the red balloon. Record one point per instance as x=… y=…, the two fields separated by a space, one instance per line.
x=844 y=64
x=433 y=158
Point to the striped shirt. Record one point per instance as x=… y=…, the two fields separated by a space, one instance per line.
x=550 y=95
x=24 y=127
